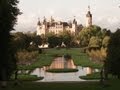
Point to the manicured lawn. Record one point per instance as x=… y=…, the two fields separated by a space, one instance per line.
x=62 y=70
x=27 y=77
x=83 y=60
x=42 y=60
x=93 y=76
x=45 y=59
x=111 y=85
x=79 y=58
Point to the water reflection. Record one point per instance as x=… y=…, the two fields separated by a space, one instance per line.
x=51 y=77
x=91 y=70
x=61 y=63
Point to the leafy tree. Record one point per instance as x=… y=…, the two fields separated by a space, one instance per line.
x=105 y=41
x=26 y=58
x=37 y=40
x=28 y=41
x=113 y=54
x=21 y=40
x=54 y=41
x=59 y=40
x=94 y=42
x=87 y=32
x=8 y=18
x=44 y=39
x=95 y=31
x=66 y=37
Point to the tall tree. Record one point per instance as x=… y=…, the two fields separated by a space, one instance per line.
x=37 y=40
x=54 y=41
x=8 y=18
x=113 y=54
x=105 y=41
x=66 y=37
x=87 y=32
x=94 y=42
x=21 y=40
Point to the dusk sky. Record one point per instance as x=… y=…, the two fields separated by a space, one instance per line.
x=106 y=13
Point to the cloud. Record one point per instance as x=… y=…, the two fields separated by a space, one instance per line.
x=108 y=22
x=113 y=20
x=26 y=22
x=51 y=12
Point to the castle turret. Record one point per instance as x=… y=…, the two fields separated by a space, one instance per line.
x=88 y=18
x=42 y=27
x=74 y=21
x=74 y=26
x=52 y=19
x=44 y=20
x=38 y=27
x=38 y=22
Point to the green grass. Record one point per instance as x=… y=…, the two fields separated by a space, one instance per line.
x=79 y=58
x=61 y=70
x=27 y=77
x=112 y=85
x=83 y=60
x=45 y=59
x=93 y=76
x=42 y=60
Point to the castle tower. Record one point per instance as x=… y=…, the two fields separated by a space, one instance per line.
x=38 y=27
x=44 y=20
x=42 y=27
x=52 y=19
x=74 y=26
x=88 y=18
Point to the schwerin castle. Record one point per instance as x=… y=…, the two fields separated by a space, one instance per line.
x=58 y=26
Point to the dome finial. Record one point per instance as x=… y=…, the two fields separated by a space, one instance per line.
x=88 y=7
x=74 y=20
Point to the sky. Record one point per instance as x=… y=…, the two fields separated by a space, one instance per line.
x=106 y=13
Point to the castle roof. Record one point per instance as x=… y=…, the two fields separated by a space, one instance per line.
x=74 y=21
x=39 y=23
x=88 y=14
x=57 y=23
x=65 y=24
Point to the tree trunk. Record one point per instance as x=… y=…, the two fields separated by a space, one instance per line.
x=118 y=76
x=3 y=78
x=101 y=77
x=3 y=84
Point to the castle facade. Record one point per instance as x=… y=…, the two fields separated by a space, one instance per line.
x=47 y=26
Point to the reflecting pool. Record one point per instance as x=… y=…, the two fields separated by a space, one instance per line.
x=61 y=63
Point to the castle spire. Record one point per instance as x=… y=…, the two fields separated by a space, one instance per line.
x=38 y=22
x=52 y=19
x=44 y=20
x=74 y=21
x=88 y=7
x=88 y=18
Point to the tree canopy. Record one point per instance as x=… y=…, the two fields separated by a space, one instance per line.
x=87 y=32
x=8 y=18
x=113 y=53
x=93 y=36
